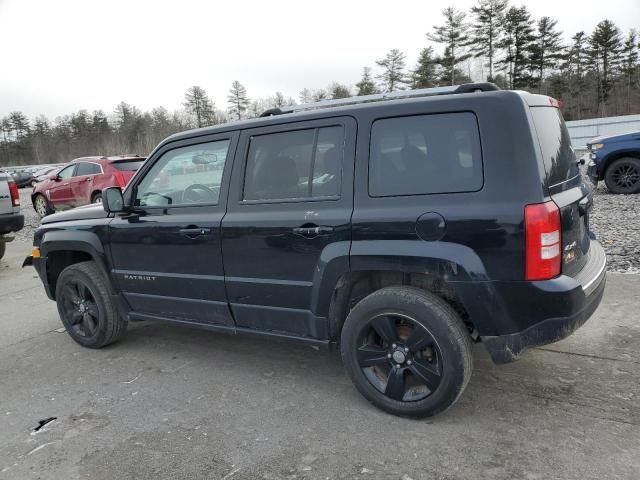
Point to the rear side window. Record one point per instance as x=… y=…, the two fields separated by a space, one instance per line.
x=128 y=166
x=87 y=169
x=425 y=154
x=299 y=164
x=559 y=159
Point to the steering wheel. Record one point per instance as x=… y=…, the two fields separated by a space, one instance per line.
x=191 y=194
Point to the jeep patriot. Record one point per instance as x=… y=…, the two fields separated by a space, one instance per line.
x=399 y=228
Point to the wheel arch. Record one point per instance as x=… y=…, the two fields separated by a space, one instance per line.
x=451 y=271
x=64 y=248
x=615 y=155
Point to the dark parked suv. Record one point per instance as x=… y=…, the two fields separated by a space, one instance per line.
x=400 y=230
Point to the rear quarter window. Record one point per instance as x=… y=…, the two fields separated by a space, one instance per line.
x=425 y=154
x=555 y=144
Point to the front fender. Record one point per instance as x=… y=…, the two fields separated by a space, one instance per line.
x=75 y=241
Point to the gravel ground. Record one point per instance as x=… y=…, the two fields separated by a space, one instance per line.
x=615 y=219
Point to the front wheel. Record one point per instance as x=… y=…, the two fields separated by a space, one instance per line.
x=407 y=351
x=85 y=306
x=623 y=175
x=41 y=206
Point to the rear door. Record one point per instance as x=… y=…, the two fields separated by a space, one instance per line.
x=82 y=183
x=288 y=220
x=566 y=186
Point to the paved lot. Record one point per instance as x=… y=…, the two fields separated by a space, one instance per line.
x=168 y=402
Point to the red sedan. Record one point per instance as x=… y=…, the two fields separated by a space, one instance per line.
x=81 y=182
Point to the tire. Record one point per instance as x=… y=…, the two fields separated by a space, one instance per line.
x=3 y=248
x=85 y=306
x=41 y=205
x=96 y=197
x=430 y=364
x=623 y=175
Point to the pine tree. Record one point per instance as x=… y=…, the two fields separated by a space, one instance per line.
x=366 y=85
x=605 y=45
x=487 y=30
x=453 y=34
x=337 y=90
x=546 y=49
x=630 y=64
x=576 y=64
x=424 y=75
x=198 y=104
x=393 y=75
x=19 y=124
x=238 y=100
x=517 y=39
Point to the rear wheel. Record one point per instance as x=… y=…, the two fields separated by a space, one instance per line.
x=623 y=175
x=85 y=306
x=3 y=248
x=41 y=206
x=96 y=197
x=407 y=351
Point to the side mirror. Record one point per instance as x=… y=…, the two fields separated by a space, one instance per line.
x=56 y=178
x=112 y=200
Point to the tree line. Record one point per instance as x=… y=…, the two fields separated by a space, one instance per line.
x=592 y=74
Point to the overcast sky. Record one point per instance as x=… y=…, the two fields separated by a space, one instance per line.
x=60 y=56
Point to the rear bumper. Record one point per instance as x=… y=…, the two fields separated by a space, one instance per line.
x=11 y=222
x=584 y=297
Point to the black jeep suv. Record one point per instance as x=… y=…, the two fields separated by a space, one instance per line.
x=400 y=230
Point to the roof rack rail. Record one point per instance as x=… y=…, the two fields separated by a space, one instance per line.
x=398 y=94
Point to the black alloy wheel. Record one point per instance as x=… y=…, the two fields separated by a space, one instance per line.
x=80 y=308
x=400 y=357
x=407 y=351
x=86 y=306
x=623 y=176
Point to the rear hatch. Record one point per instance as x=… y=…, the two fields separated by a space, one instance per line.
x=565 y=185
x=127 y=168
x=6 y=205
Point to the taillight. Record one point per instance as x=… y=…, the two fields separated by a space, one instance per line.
x=543 y=241
x=15 y=194
x=120 y=178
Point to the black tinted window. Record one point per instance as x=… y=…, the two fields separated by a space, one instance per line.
x=425 y=154
x=296 y=164
x=128 y=166
x=555 y=143
x=87 y=169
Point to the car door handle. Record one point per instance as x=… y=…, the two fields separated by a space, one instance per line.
x=312 y=230
x=194 y=232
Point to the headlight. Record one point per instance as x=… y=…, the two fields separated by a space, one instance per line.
x=596 y=146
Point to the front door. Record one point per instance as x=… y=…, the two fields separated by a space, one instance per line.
x=60 y=193
x=287 y=222
x=166 y=256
